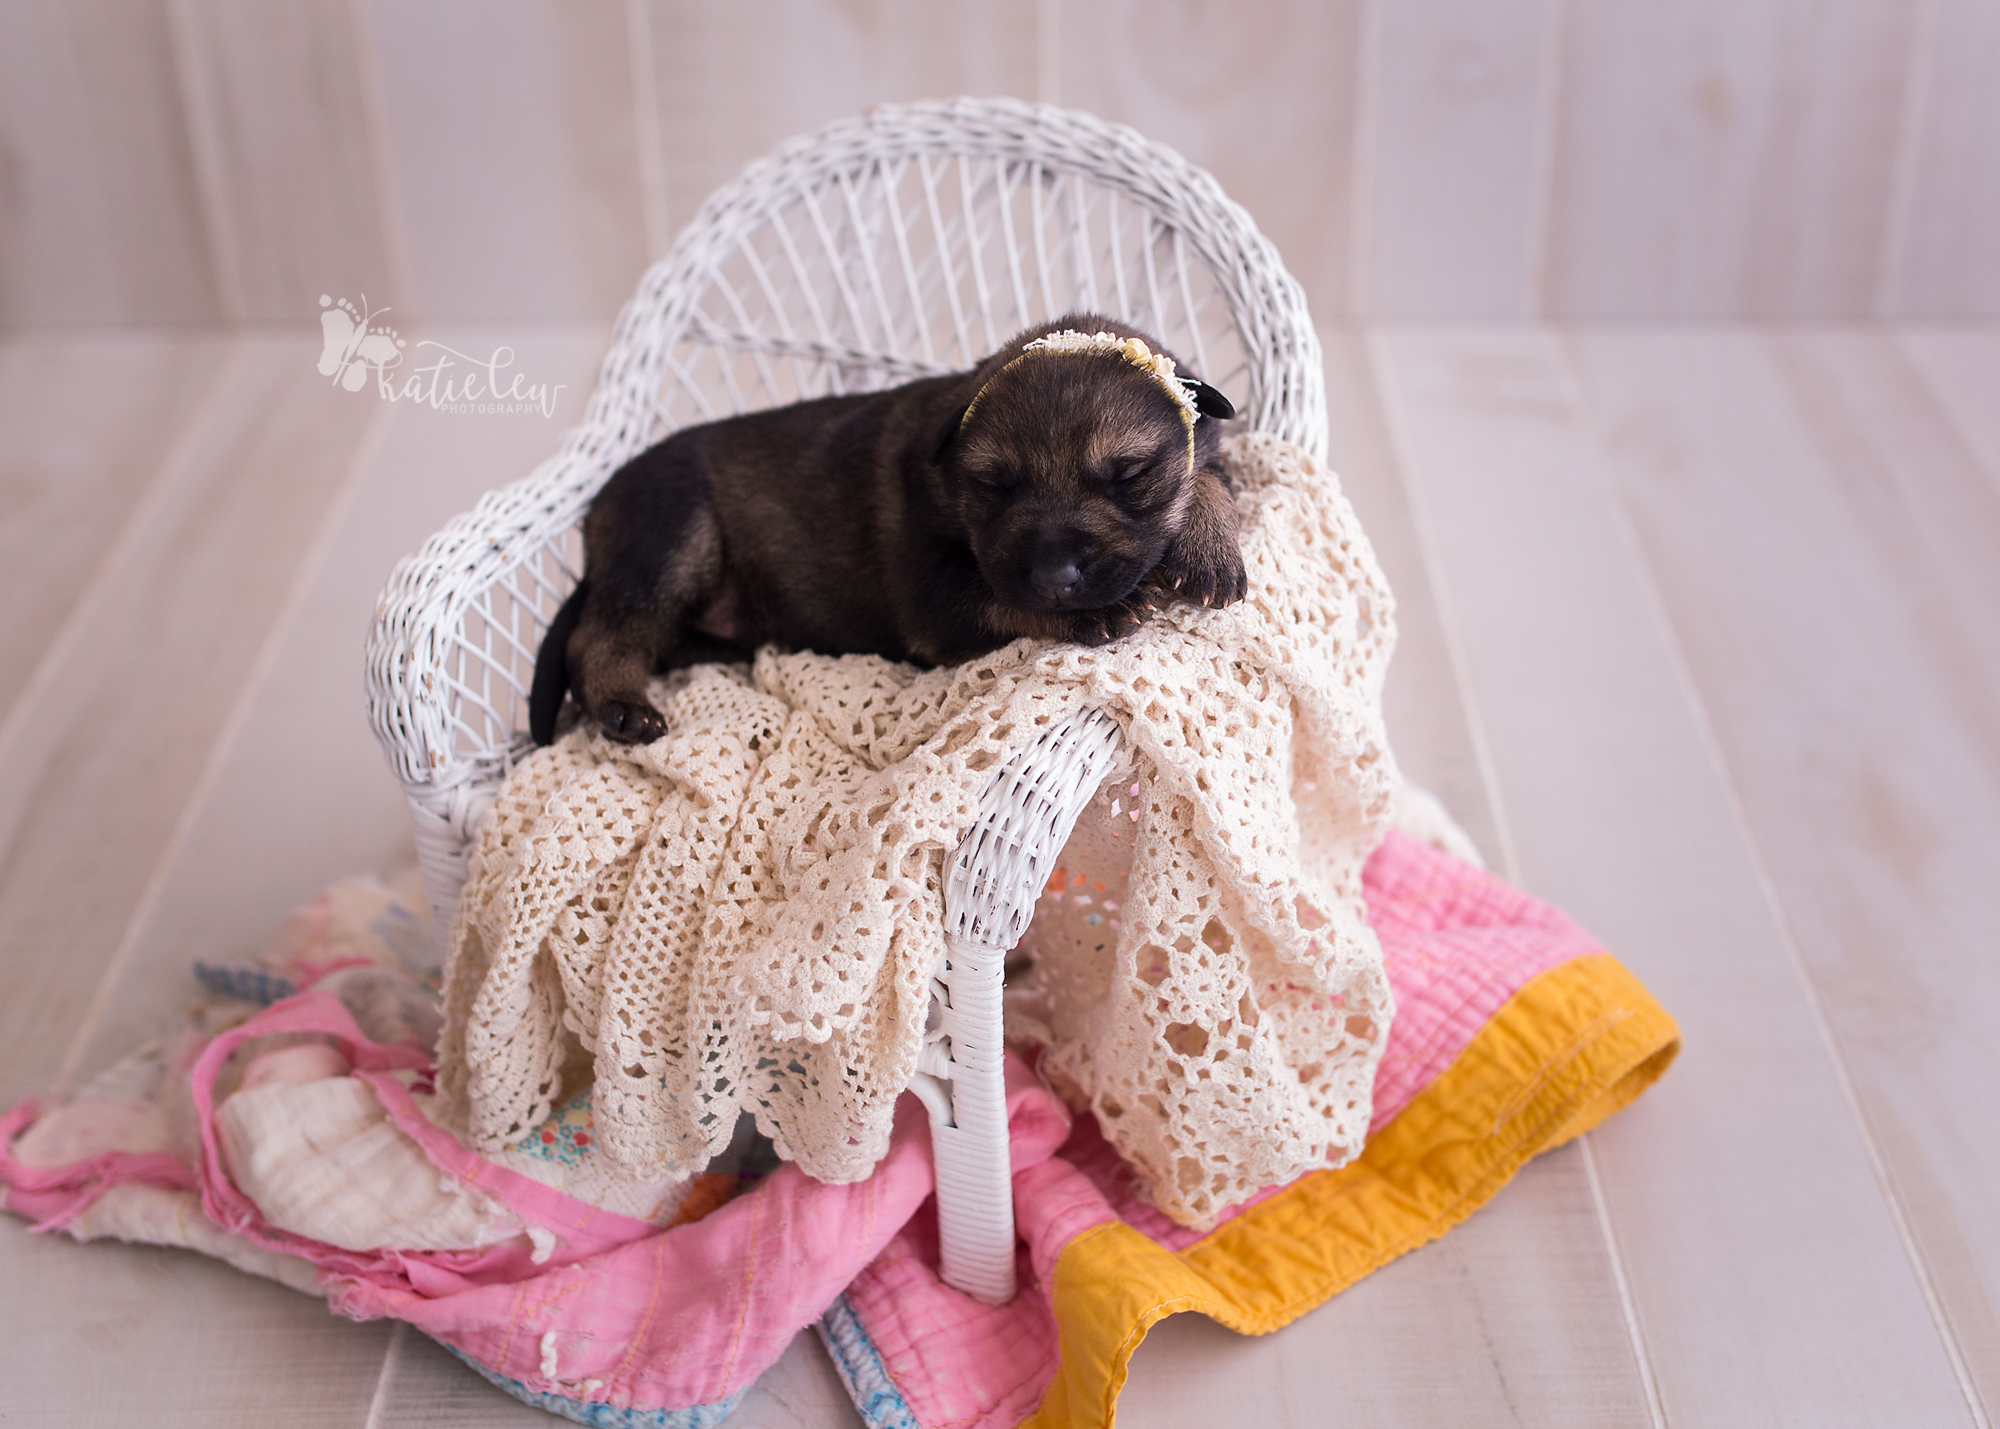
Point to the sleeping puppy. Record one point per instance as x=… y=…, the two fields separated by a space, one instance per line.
x=1058 y=490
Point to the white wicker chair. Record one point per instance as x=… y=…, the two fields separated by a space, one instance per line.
x=910 y=240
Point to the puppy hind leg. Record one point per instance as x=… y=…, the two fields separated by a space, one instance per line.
x=610 y=662
x=635 y=620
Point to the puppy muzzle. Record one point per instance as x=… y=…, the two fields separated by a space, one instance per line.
x=1059 y=570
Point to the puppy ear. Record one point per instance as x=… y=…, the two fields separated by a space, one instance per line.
x=1208 y=401
x=941 y=443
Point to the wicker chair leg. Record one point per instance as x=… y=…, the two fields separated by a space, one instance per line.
x=1025 y=818
x=969 y=1131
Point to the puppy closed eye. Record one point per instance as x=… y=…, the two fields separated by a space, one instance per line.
x=1125 y=472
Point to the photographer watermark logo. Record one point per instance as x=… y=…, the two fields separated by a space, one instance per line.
x=359 y=346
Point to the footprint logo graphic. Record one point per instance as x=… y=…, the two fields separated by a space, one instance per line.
x=338 y=326
x=352 y=346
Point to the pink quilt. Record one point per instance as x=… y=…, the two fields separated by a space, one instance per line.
x=609 y=1319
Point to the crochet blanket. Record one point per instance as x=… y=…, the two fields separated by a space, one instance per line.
x=746 y=914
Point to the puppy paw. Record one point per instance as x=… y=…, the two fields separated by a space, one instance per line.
x=1101 y=627
x=630 y=722
x=1216 y=580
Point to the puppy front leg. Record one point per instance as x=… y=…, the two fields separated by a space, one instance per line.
x=1112 y=622
x=1204 y=562
x=1084 y=627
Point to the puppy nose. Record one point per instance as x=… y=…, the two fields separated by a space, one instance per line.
x=1058 y=578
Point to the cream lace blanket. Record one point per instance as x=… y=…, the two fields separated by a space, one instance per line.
x=746 y=914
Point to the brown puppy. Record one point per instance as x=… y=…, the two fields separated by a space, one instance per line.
x=1057 y=490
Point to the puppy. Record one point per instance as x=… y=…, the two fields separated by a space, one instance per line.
x=1057 y=490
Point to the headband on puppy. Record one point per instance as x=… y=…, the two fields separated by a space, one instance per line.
x=1187 y=392
x=1156 y=365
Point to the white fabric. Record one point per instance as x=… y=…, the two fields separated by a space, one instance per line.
x=321 y=1159
x=154 y=1215
x=746 y=913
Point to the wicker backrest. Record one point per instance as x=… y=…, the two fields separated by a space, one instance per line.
x=909 y=240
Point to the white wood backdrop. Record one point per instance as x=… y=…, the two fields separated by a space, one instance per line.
x=228 y=161
x=1662 y=369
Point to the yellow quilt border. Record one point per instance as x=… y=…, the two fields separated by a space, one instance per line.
x=1572 y=1046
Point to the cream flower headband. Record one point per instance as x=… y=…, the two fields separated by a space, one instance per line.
x=1156 y=365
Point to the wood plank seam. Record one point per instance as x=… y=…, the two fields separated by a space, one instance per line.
x=1607 y=1227
x=375 y=138
x=1946 y=408
x=1909 y=147
x=16 y=782
x=1454 y=639
x=224 y=259
x=1538 y=280
x=392 y=1357
x=1048 y=51
x=268 y=651
x=650 y=145
x=1510 y=863
x=1705 y=732
x=1359 y=299
x=1448 y=623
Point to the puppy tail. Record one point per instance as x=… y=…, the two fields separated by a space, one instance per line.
x=545 y=695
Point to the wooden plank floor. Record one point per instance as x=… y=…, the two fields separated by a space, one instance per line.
x=1698 y=639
